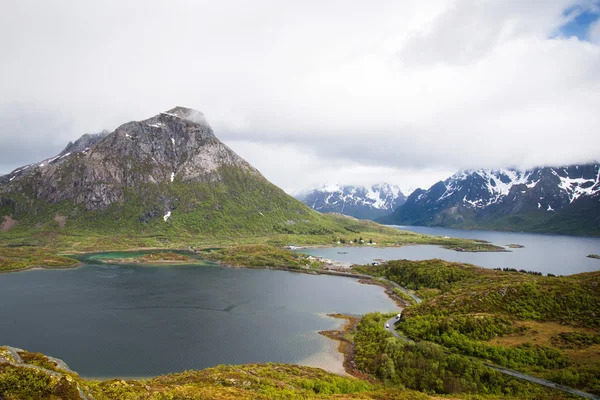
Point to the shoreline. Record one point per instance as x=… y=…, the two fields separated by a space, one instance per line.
x=199 y=250
x=345 y=346
x=498 y=249
x=41 y=267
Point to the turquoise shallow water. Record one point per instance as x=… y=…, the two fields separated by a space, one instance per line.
x=109 y=320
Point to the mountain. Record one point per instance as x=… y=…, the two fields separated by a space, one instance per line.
x=357 y=201
x=545 y=199
x=164 y=175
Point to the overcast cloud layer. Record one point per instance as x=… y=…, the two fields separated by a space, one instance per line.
x=312 y=92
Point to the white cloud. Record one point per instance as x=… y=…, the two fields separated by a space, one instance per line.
x=381 y=90
x=594 y=32
x=309 y=170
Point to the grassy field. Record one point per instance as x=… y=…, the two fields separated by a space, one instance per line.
x=18 y=258
x=336 y=229
x=261 y=256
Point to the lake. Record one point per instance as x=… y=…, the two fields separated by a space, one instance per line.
x=556 y=254
x=138 y=321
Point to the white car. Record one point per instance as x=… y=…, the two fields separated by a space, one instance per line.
x=387 y=326
x=398 y=316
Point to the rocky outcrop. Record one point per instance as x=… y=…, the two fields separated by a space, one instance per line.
x=62 y=380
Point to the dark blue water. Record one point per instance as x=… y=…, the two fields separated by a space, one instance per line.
x=132 y=321
x=557 y=254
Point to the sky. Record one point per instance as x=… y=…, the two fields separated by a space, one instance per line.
x=313 y=92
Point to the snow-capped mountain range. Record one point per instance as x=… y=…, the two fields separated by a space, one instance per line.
x=357 y=201
x=537 y=199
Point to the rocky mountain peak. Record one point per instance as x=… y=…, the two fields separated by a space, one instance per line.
x=176 y=145
x=188 y=114
x=84 y=142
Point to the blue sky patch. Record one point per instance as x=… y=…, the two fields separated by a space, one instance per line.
x=580 y=20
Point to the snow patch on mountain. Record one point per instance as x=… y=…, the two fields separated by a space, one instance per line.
x=482 y=188
x=577 y=187
x=357 y=201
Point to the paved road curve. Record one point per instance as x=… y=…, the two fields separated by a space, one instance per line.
x=391 y=329
x=543 y=382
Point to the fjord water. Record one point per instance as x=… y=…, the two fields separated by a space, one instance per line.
x=133 y=320
x=556 y=254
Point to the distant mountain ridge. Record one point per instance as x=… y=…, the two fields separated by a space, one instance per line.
x=357 y=201
x=545 y=199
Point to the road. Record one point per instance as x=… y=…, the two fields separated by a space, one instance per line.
x=506 y=371
x=404 y=290
x=543 y=382
x=391 y=329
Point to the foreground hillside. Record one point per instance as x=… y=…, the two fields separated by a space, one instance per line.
x=25 y=375
x=542 y=325
x=546 y=199
x=545 y=326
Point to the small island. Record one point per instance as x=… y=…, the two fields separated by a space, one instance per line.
x=515 y=246
x=476 y=247
x=596 y=256
x=162 y=257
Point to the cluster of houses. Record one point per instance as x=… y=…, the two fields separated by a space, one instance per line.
x=329 y=264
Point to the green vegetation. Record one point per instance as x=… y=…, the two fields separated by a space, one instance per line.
x=475 y=246
x=575 y=340
x=17 y=258
x=252 y=381
x=238 y=209
x=38 y=359
x=166 y=256
x=261 y=256
x=18 y=383
x=429 y=368
x=519 y=320
x=238 y=206
x=405 y=298
x=596 y=256
x=577 y=219
x=157 y=257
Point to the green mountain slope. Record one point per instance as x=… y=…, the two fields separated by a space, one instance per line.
x=166 y=180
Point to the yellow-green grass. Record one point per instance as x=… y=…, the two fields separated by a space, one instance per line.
x=19 y=258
